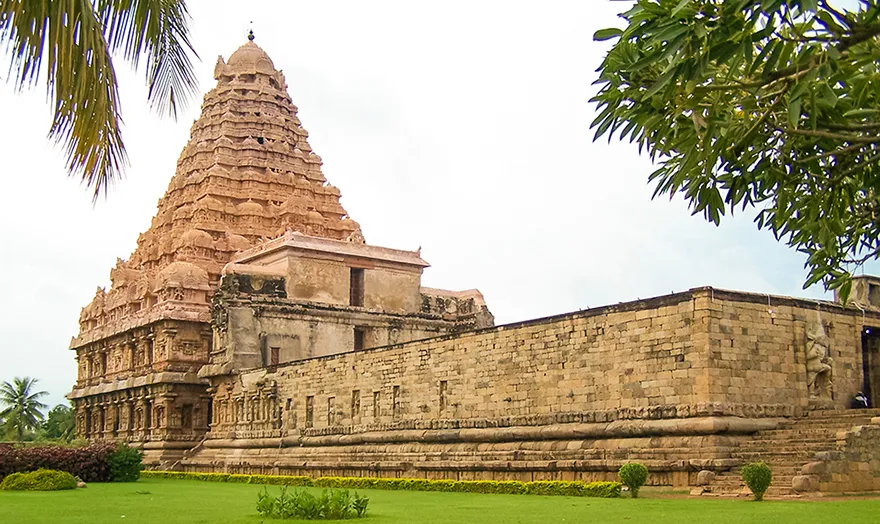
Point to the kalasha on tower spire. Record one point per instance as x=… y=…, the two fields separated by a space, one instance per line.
x=247 y=174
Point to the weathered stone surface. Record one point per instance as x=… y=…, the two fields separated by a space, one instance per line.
x=705 y=477
x=696 y=492
x=855 y=467
x=805 y=483
x=814 y=468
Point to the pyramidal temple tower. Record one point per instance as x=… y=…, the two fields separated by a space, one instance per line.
x=247 y=174
x=248 y=204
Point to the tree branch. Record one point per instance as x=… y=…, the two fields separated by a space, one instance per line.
x=852 y=127
x=854 y=147
x=833 y=136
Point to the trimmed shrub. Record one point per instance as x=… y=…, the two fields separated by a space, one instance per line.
x=124 y=464
x=335 y=504
x=606 y=490
x=757 y=477
x=97 y=462
x=634 y=476
x=280 y=480
x=39 y=480
x=510 y=487
x=89 y=463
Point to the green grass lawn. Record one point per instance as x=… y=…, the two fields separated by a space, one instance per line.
x=161 y=501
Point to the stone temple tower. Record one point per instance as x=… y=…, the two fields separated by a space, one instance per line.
x=246 y=175
x=248 y=204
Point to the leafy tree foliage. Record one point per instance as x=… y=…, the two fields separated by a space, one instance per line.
x=772 y=104
x=60 y=424
x=74 y=40
x=21 y=406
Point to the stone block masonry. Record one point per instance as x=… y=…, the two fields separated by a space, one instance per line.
x=676 y=382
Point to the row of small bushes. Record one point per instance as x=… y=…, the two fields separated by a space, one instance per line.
x=39 y=480
x=275 y=480
x=97 y=462
x=512 y=487
x=334 y=504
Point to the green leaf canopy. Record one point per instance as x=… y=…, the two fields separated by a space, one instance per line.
x=765 y=104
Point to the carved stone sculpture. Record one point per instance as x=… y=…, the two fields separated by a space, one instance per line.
x=819 y=361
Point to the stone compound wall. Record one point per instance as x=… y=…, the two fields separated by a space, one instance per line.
x=673 y=381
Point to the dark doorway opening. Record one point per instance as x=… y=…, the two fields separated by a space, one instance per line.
x=871 y=364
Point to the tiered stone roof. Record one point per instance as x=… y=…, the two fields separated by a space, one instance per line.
x=247 y=174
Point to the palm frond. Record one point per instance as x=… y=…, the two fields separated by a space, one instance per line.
x=80 y=81
x=159 y=30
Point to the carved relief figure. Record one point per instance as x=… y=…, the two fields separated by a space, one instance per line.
x=819 y=361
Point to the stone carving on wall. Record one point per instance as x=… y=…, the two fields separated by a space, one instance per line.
x=819 y=361
x=356 y=237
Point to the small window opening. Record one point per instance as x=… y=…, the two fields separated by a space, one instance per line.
x=260 y=140
x=357 y=287
x=359 y=336
x=274 y=356
x=395 y=402
x=443 y=389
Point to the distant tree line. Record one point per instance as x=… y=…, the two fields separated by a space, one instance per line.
x=22 y=418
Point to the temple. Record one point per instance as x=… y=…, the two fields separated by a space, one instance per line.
x=253 y=329
x=247 y=175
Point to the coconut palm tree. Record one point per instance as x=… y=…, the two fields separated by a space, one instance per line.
x=72 y=41
x=21 y=405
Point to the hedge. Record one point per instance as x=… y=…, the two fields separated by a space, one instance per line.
x=97 y=462
x=511 y=487
x=39 y=480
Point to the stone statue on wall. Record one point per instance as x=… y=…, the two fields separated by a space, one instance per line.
x=160 y=417
x=819 y=361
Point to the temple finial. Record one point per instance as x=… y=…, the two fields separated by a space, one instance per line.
x=251 y=35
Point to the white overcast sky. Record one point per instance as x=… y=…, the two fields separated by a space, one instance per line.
x=458 y=126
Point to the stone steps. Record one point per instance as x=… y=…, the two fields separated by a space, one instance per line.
x=730 y=483
x=834 y=414
x=787 y=449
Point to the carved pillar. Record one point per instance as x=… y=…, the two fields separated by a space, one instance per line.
x=149 y=415
x=160 y=415
x=149 y=346
x=109 y=410
x=97 y=423
x=114 y=418
x=124 y=411
x=240 y=417
x=131 y=356
x=166 y=352
x=81 y=419
x=206 y=413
